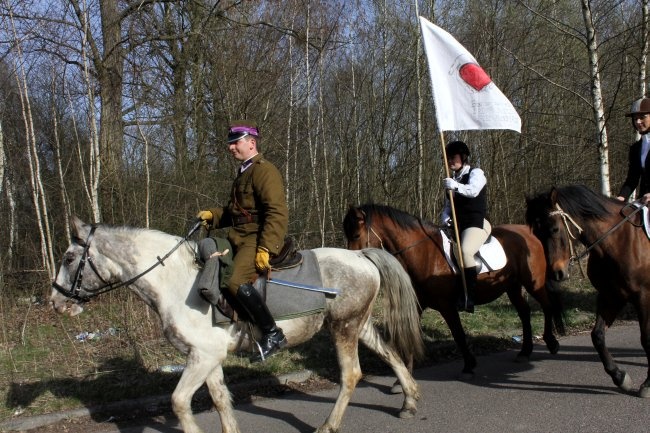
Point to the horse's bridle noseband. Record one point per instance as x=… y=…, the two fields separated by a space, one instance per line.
x=76 y=292
x=80 y=295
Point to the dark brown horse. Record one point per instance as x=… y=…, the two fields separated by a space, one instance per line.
x=418 y=246
x=619 y=259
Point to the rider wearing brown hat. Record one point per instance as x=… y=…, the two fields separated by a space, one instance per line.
x=638 y=171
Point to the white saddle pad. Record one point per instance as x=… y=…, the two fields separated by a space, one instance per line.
x=645 y=218
x=491 y=255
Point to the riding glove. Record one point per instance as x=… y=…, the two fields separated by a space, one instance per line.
x=262 y=259
x=205 y=215
x=450 y=183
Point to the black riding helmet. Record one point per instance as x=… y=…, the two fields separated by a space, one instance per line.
x=457 y=148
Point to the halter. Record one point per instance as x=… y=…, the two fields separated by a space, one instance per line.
x=80 y=295
x=566 y=218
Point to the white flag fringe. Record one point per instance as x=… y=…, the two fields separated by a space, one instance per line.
x=464 y=95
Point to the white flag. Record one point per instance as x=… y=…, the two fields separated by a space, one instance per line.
x=464 y=95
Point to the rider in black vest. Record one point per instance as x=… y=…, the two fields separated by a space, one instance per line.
x=470 y=203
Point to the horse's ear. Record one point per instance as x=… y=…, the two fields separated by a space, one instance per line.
x=552 y=195
x=78 y=228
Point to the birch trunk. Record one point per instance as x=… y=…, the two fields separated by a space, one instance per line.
x=597 y=98
x=59 y=169
x=36 y=186
x=643 y=61
x=310 y=142
x=5 y=182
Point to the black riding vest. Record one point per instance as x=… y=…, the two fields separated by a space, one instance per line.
x=470 y=211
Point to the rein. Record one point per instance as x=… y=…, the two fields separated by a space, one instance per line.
x=77 y=293
x=566 y=218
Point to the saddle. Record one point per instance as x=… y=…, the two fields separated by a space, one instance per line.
x=288 y=257
x=282 y=301
x=490 y=257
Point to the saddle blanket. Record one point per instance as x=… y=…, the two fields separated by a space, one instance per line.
x=285 y=302
x=491 y=255
x=645 y=220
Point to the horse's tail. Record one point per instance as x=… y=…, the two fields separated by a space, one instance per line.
x=401 y=318
x=554 y=291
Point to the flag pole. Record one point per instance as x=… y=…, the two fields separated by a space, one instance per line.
x=453 y=219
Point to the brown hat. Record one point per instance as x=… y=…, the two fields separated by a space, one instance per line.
x=640 y=106
x=242 y=128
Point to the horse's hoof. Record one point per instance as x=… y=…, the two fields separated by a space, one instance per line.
x=522 y=359
x=553 y=347
x=407 y=413
x=626 y=384
x=396 y=389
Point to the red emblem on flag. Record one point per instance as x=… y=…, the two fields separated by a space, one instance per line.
x=474 y=75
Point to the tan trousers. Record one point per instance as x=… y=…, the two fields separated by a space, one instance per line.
x=471 y=240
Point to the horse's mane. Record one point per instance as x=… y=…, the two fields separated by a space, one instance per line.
x=576 y=200
x=401 y=218
x=148 y=239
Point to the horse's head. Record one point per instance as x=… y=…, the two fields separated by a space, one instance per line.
x=357 y=226
x=546 y=222
x=75 y=282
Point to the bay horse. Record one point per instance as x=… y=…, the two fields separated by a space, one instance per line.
x=418 y=246
x=619 y=259
x=125 y=256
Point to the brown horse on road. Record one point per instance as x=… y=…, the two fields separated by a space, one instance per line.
x=618 y=265
x=418 y=246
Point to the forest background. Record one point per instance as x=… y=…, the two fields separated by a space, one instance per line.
x=117 y=111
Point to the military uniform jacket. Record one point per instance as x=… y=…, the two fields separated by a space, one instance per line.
x=637 y=176
x=257 y=210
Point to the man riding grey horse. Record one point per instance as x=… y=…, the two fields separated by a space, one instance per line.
x=258 y=216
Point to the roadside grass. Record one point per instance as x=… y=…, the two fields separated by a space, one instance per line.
x=115 y=350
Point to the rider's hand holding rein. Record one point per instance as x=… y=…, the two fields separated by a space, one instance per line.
x=205 y=216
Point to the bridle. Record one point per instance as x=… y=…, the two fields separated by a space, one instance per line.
x=566 y=219
x=79 y=294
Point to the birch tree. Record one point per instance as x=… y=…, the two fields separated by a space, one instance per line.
x=597 y=97
x=6 y=189
x=36 y=185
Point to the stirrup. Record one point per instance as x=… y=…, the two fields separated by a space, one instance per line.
x=275 y=346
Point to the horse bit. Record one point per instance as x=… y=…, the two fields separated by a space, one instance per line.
x=566 y=219
x=80 y=295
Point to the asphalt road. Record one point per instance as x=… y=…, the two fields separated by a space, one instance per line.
x=568 y=392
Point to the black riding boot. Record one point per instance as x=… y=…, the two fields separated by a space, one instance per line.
x=470 y=282
x=272 y=336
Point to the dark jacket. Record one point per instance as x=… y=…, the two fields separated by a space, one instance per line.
x=637 y=177
x=470 y=211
